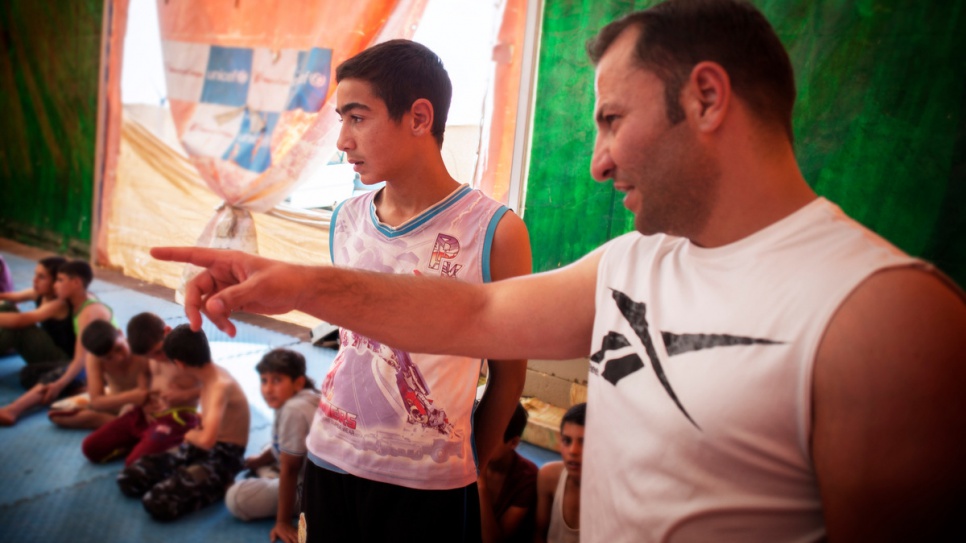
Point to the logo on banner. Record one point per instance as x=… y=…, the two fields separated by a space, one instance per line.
x=227 y=76
x=252 y=147
x=311 y=81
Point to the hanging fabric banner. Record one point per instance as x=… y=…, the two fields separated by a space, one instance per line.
x=248 y=86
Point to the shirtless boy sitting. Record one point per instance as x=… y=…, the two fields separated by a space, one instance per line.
x=198 y=473
x=168 y=412
x=115 y=377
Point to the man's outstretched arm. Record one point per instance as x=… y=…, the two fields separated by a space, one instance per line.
x=548 y=315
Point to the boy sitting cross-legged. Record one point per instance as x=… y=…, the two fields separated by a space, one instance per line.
x=293 y=396
x=173 y=484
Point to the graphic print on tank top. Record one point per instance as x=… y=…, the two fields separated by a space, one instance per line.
x=635 y=313
x=394 y=390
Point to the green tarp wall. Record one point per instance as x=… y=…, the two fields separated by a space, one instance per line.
x=49 y=56
x=880 y=124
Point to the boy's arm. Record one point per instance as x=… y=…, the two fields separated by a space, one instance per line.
x=212 y=413
x=496 y=529
x=113 y=402
x=264 y=458
x=13 y=319
x=87 y=316
x=19 y=296
x=547 y=479
x=290 y=466
x=510 y=257
x=175 y=396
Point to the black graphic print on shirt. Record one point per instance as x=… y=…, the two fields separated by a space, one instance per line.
x=635 y=313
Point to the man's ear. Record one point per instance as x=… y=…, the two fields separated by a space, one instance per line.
x=708 y=95
x=167 y=330
x=422 y=113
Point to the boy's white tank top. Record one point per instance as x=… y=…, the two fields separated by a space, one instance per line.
x=389 y=415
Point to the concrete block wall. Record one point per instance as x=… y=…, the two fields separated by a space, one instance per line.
x=558 y=382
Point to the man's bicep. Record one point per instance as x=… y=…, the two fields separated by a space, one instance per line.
x=888 y=408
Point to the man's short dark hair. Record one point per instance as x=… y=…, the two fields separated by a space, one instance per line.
x=77 y=268
x=187 y=346
x=285 y=362
x=52 y=264
x=576 y=415
x=401 y=72
x=518 y=422
x=678 y=34
x=144 y=332
x=99 y=337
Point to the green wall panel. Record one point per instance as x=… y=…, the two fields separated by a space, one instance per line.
x=49 y=55
x=879 y=123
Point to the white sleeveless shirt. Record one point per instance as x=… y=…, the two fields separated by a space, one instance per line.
x=700 y=380
x=389 y=415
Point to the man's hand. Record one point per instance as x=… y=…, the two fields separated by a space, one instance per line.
x=234 y=281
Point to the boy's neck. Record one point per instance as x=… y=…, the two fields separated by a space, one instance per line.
x=78 y=299
x=402 y=199
x=205 y=373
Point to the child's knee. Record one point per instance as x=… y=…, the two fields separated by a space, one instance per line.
x=235 y=501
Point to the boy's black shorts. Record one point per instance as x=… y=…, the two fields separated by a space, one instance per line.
x=339 y=508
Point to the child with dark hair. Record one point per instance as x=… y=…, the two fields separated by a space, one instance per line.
x=196 y=474
x=43 y=337
x=73 y=278
x=508 y=488
x=558 y=483
x=168 y=411
x=115 y=377
x=275 y=491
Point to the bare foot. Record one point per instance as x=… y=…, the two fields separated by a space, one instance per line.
x=6 y=419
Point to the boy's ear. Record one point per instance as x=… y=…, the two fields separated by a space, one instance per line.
x=299 y=382
x=167 y=330
x=422 y=112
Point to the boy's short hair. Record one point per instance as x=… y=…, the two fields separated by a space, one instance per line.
x=144 y=331
x=286 y=362
x=77 y=268
x=401 y=72
x=52 y=264
x=187 y=346
x=576 y=415
x=99 y=337
x=518 y=421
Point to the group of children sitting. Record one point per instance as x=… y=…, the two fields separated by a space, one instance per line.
x=180 y=422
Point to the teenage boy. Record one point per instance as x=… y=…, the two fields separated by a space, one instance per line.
x=115 y=378
x=558 y=484
x=73 y=279
x=167 y=412
x=394 y=432
x=508 y=488
x=173 y=484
